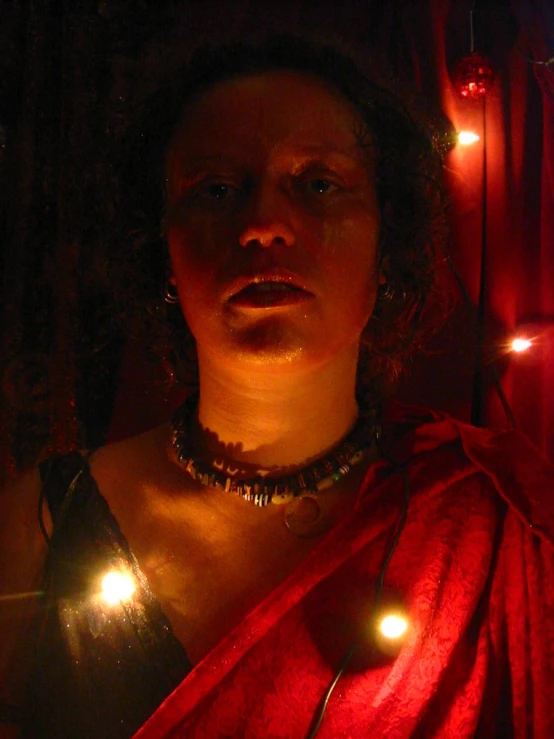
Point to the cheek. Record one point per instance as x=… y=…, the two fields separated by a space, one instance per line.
x=352 y=249
x=192 y=273
x=191 y=250
x=352 y=272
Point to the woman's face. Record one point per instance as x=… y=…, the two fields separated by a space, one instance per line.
x=272 y=222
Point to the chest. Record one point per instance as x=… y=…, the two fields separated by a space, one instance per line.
x=209 y=557
x=210 y=560
x=209 y=566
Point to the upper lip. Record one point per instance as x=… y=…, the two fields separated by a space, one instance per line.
x=273 y=275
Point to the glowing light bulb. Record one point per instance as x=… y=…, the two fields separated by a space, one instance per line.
x=393 y=627
x=467 y=137
x=117 y=587
x=520 y=345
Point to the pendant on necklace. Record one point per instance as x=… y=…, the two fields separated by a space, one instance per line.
x=304 y=516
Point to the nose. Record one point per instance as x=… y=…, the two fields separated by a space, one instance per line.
x=267 y=223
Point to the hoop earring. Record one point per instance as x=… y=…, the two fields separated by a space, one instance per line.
x=171 y=296
x=386 y=292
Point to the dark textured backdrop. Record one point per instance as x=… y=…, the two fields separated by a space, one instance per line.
x=74 y=73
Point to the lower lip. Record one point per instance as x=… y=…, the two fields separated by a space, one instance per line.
x=270 y=299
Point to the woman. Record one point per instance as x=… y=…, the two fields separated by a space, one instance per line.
x=265 y=529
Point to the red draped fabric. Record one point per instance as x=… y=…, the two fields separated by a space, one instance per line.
x=474 y=570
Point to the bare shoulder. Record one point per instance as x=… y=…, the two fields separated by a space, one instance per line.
x=132 y=463
x=22 y=556
x=133 y=476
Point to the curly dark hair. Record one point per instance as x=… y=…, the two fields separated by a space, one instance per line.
x=409 y=190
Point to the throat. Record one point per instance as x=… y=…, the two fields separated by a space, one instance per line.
x=278 y=420
x=264 y=486
x=270 y=443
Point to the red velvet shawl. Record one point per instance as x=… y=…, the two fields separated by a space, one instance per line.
x=474 y=569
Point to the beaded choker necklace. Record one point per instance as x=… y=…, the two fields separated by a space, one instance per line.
x=298 y=491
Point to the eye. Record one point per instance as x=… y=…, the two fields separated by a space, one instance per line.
x=318 y=181
x=320 y=186
x=216 y=192
x=212 y=190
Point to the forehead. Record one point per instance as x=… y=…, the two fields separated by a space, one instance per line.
x=269 y=110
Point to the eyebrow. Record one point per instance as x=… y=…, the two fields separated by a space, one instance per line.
x=314 y=152
x=305 y=152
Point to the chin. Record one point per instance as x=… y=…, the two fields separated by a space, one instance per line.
x=270 y=350
x=285 y=358
x=278 y=346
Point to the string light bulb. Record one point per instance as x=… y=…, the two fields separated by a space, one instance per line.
x=466 y=138
x=521 y=345
x=390 y=629
x=117 y=587
x=393 y=626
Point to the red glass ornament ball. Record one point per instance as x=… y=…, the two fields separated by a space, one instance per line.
x=473 y=76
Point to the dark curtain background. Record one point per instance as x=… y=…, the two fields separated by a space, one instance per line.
x=73 y=74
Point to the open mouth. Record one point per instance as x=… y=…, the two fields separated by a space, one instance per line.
x=269 y=294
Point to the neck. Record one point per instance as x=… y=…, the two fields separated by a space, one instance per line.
x=275 y=420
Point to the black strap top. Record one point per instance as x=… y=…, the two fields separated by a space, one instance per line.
x=100 y=669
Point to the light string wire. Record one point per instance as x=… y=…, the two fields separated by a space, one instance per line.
x=471 y=31
x=319 y=715
x=477 y=389
x=492 y=367
x=537 y=62
x=477 y=411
